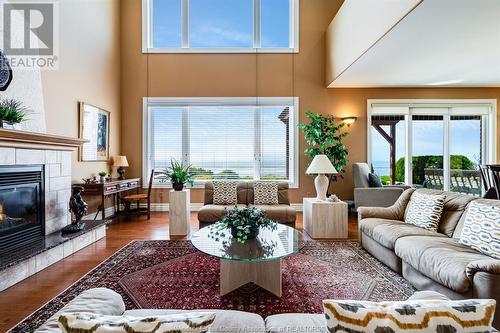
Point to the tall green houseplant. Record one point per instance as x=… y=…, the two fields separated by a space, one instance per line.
x=325 y=137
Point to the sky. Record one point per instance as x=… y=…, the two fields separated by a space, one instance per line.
x=220 y=23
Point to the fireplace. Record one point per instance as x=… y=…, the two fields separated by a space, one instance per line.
x=22 y=205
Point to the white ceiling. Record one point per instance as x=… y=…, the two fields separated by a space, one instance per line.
x=445 y=43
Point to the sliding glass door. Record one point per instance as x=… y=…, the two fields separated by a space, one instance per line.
x=432 y=145
x=428 y=151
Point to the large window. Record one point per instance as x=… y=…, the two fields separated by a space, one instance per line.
x=437 y=144
x=223 y=138
x=197 y=26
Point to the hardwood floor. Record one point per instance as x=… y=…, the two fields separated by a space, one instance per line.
x=25 y=297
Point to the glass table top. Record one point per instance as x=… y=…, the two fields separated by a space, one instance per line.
x=269 y=244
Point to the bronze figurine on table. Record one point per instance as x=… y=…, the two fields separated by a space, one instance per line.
x=78 y=207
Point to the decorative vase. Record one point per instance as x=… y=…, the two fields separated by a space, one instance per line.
x=253 y=233
x=178 y=186
x=103 y=179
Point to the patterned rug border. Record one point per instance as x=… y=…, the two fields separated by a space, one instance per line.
x=41 y=314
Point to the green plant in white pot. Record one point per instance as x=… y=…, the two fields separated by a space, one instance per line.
x=12 y=112
x=178 y=174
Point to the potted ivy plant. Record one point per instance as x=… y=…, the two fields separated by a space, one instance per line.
x=12 y=112
x=245 y=223
x=178 y=174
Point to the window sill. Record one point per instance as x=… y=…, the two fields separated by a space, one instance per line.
x=201 y=185
x=220 y=50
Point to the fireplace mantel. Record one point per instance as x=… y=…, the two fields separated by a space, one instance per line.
x=33 y=140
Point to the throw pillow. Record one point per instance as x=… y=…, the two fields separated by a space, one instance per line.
x=424 y=210
x=225 y=193
x=423 y=316
x=374 y=180
x=182 y=323
x=481 y=229
x=265 y=193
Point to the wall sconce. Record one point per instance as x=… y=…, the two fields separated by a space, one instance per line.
x=349 y=120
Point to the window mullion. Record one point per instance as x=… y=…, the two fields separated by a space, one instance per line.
x=257 y=143
x=446 y=152
x=185 y=136
x=185 y=23
x=256 y=24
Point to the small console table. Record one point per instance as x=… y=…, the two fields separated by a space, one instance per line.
x=111 y=188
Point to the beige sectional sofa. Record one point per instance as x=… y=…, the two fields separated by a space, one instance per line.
x=107 y=302
x=282 y=213
x=430 y=260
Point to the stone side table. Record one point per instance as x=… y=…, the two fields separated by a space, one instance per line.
x=323 y=219
x=180 y=212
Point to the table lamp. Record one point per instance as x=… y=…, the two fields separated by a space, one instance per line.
x=121 y=163
x=321 y=165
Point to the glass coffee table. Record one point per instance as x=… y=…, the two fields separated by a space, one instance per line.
x=257 y=260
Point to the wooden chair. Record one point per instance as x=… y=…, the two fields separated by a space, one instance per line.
x=140 y=197
x=495 y=172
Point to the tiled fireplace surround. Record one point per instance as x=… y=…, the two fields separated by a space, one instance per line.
x=55 y=153
x=57 y=181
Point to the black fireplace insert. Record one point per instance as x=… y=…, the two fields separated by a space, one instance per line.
x=22 y=205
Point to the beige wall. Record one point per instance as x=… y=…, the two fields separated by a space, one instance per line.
x=302 y=75
x=89 y=70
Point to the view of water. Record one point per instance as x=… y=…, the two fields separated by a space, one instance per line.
x=382 y=168
x=244 y=169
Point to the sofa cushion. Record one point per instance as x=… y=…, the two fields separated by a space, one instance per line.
x=98 y=300
x=442 y=259
x=422 y=316
x=192 y=322
x=226 y=321
x=387 y=232
x=242 y=189
x=278 y=213
x=213 y=213
x=481 y=230
x=225 y=192
x=282 y=193
x=265 y=193
x=296 y=322
x=424 y=210
x=454 y=207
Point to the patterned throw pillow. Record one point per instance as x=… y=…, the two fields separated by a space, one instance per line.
x=265 y=193
x=225 y=193
x=424 y=210
x=424 y=316
x=88 y=322
x=481 y=229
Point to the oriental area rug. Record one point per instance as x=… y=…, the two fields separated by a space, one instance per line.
x=174 y=275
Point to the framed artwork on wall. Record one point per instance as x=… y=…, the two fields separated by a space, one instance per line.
x=94 y=127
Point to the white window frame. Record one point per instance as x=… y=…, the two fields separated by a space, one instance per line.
x=410 y=107
x=151 y=102
x=147 y=36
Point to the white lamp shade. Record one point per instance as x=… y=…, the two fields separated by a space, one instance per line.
x=321 y=165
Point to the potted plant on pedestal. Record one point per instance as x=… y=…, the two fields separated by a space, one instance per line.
x=12 y=112
x=178 y=174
